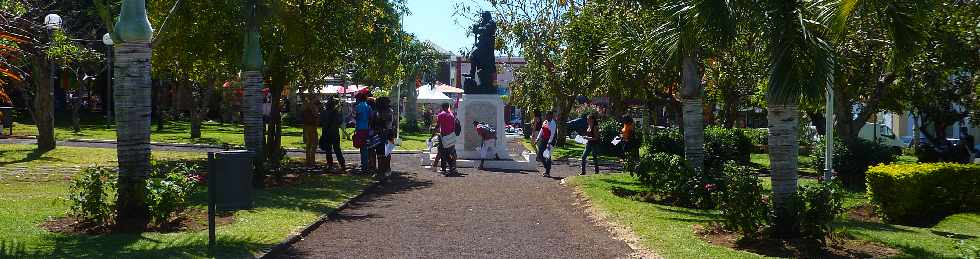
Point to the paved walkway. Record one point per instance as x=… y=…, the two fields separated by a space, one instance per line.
x=422 y=214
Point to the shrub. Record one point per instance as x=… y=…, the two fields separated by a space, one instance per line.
x=922 y=194
x=669 y=176
x=851 y=162
x=608 y=130
x=822 y=203
x=664 y=140
x=723 y=144
x=167 y=191
x=720 y=145
x=91 y=194
x=758 y=137
x=741 y=204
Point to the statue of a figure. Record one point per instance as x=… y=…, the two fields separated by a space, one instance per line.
x=482 y=60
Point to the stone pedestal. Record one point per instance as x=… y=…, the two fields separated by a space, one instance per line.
x=488 y=108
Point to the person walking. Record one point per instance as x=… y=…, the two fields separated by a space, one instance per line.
x=446 y=122
x=330 y=120
x=489 y=136
x=362 y=128
x=592 y=140
x=626 y=138
x=310 y=120
x=536 y=125
x=384 y=128
x=546 y=140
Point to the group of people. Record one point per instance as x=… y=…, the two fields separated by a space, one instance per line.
x=544 y=134
x=445 y=135
x=374 y=132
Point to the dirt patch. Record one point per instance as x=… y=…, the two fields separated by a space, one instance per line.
x=190 y=220
x=864 y=213
x=838 y=247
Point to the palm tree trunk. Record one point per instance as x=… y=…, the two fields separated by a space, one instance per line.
x=693 y=112
x=411 y=109
x=252 y=113
x=783 y=152
x=132 y=95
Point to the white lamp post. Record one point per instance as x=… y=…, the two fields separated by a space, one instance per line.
x=107 y=40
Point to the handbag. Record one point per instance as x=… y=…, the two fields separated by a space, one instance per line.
x=448 y=140
x=360 y=137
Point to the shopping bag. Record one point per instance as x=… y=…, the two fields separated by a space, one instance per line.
x=448 y=140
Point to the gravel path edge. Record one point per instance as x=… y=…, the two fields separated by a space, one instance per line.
x=278 y=249
x=616 y=230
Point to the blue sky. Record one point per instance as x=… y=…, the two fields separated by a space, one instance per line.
x=434 y=20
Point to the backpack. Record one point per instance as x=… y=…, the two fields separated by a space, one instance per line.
x=491 y=131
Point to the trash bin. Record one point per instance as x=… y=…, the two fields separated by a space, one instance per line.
x=7 y=119
x=230 y=179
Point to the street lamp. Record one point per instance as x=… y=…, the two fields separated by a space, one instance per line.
x=107 y=40
x=828 y=173
x=52 y=21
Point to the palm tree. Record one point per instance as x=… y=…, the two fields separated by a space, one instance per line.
x=253 y=87
x=132 y=94
x=802 y=65
x=695 y=27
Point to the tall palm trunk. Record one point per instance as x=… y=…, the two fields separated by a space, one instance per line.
x=693 y=112
x=252 y=112
x=132 y=95
x=411 y=109
x=783 y=151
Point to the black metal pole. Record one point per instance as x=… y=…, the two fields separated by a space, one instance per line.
x=211 y=205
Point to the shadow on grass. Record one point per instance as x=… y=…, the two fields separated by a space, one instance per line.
x=125 y=246
x=34 y=155
x=919 y=252
x=858 y=225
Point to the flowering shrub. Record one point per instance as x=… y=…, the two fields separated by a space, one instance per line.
x=91 y=194
x=676 y=183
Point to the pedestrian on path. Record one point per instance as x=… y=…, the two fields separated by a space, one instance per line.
x=592 y=140
x=626 y=143
x=446 y=122
x=489 y=136
x=330 y=120
x=536 y=126
x=546 y=141
x=310 y=120
x=362 y=128
x=384 y=128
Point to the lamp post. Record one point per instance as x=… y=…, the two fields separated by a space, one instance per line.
x=828 y=173
x=107 y=40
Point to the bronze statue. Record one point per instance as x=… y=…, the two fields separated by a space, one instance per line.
x=483 y=63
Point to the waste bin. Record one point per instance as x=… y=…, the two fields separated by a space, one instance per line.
x=230 y=179
x=7 y=119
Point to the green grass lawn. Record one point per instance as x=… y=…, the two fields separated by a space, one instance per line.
x=668 y=230
x=212 y=133
x=27 y=202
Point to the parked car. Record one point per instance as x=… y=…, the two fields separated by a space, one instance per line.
x=885 y=135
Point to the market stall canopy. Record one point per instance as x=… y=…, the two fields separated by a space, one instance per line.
x=444 y=88
x=427 y=94
x=336 y=89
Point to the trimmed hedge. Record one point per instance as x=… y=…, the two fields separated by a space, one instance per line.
x=923 y=194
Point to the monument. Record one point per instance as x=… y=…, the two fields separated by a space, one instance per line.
x=480 y=101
